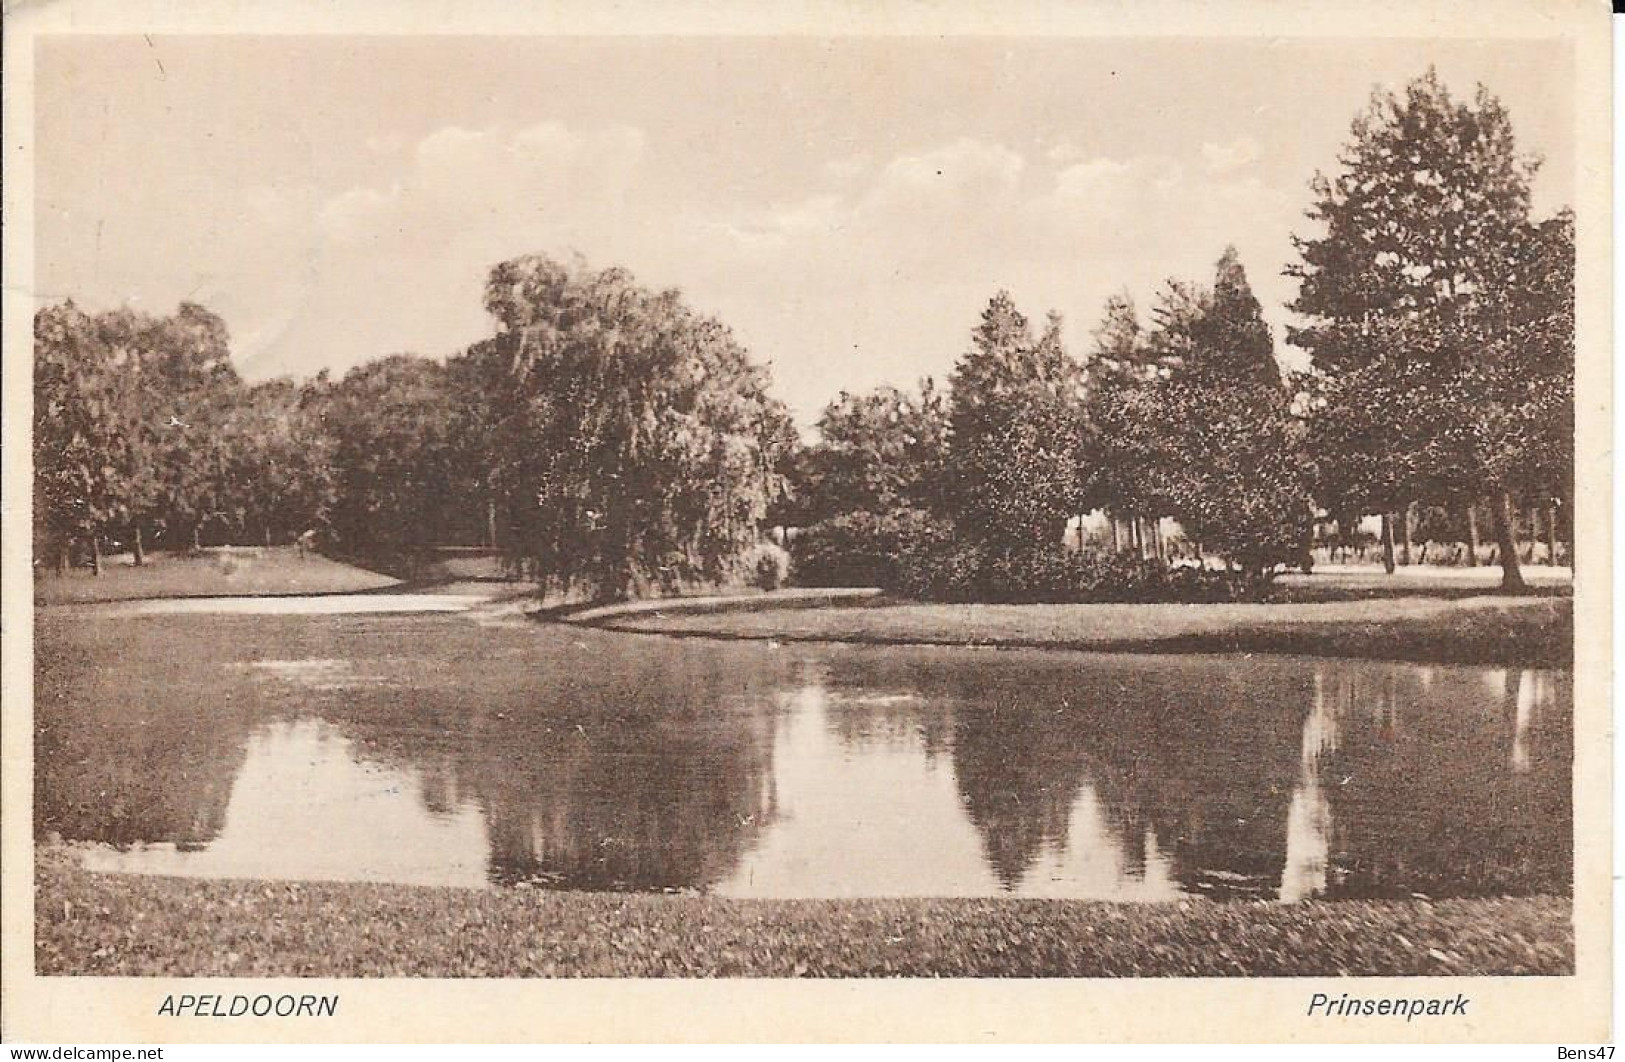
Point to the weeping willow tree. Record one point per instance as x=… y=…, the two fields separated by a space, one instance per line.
x=633 y=443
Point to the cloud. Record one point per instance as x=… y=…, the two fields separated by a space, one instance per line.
x=404 y=260
x=948 y=175
x=912 y=251
x=1064 y=152
x=461 y=183
x=1223 y=158
x=969 y=207
x=846 y=171
x=874 y=275
x=1093 y=193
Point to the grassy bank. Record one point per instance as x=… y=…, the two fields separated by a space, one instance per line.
x=1527 y=631
x=214 y=573
x=95 y=924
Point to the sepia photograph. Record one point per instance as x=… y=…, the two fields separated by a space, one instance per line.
x=997 y=505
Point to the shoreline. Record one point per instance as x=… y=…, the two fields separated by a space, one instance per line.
x=1487 y=630
x=1426 y=617
x=96 y=924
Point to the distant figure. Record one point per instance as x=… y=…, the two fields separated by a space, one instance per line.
x=306 y=540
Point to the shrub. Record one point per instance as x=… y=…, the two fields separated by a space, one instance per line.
x=1038 y=575
x=765 y=566
x=1191 y=584
x=1113 y=576
x=858 y=548
x=966 y=572
x=918 y=555
x=942 y=570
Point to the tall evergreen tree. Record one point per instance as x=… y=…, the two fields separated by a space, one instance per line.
x=1231 y=343
x=1237 y=482
x=1131 y=447
x=1016 y=432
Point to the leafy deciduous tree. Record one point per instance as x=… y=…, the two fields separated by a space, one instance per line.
x=1410 y=293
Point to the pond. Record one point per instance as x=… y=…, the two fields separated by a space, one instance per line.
x=458 y=750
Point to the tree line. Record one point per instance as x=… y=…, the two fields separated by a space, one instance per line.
x=144 y=432
x=610 y=439
x=1438 y=317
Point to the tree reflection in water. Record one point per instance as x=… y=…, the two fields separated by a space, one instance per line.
x=655 y=775
x=1196 y=767
x=1458 y=786
x=596 y=761
x=1278 y=779
x=124 y=752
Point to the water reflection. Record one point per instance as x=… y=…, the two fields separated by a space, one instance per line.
x=1019 y=776
x=434 y=750
x=653 y=774
x=296 y=775
x=1425 y=799
x=1309 y=816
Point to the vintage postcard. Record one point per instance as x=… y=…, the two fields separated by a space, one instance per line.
x=815 y=521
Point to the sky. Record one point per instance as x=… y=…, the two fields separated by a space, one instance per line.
x=846 y=206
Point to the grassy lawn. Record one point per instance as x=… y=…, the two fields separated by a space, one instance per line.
x=94 y=924
x=1533 y=631
x=1343 y=581
x=1354 y=614
x=278 y=570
